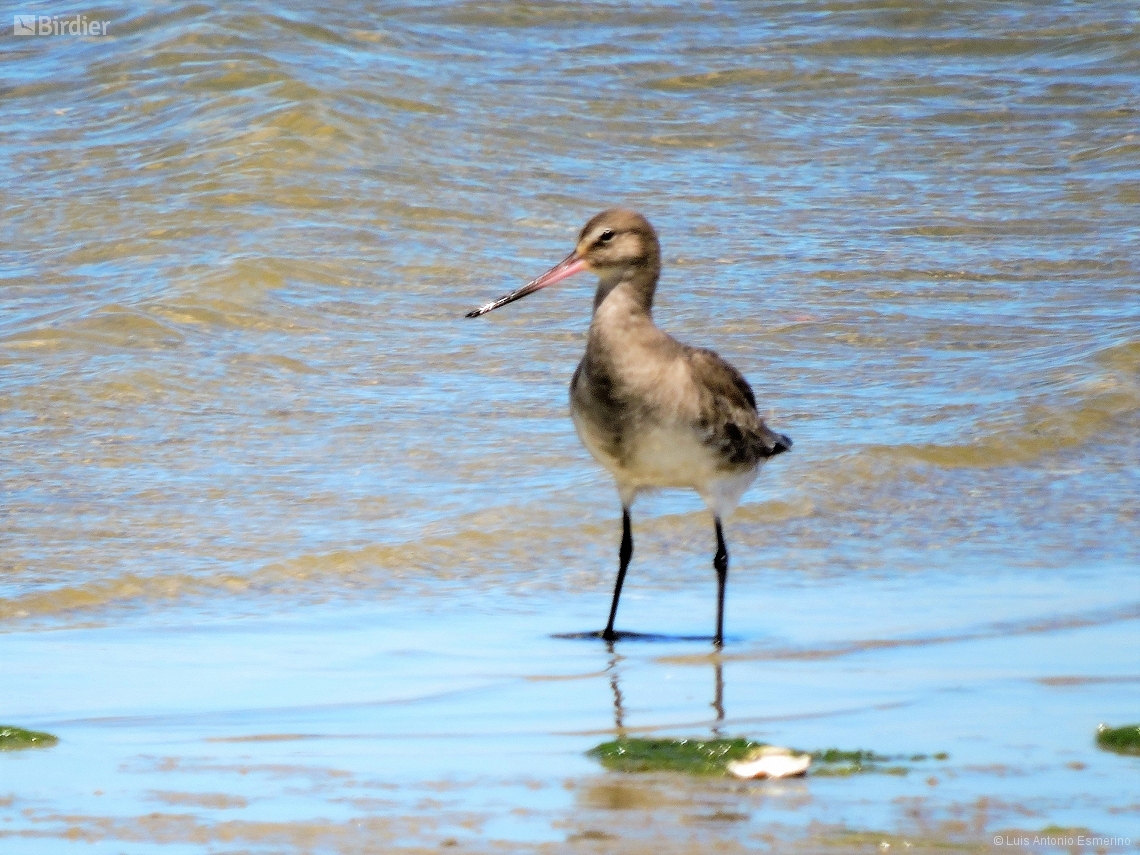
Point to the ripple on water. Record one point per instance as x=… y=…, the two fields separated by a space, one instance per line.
x=235 y=381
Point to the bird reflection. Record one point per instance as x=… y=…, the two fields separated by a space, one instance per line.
x=718 y=699
x=717 y=726
x=619 y=710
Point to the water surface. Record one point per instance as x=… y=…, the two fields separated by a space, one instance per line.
x=262 y=480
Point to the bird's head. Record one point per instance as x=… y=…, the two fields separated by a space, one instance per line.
x=616 y=240
x=612 y=244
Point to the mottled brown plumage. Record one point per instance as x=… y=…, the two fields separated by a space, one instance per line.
x=655 y=412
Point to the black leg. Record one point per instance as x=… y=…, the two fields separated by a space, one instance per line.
x=720 y=562
x=625 y=554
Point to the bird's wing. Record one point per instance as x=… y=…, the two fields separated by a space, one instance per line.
x=729 y=418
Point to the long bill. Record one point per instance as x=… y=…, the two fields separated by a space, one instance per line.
x=563 y=270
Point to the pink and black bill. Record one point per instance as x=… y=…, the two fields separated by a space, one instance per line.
x=564 y=270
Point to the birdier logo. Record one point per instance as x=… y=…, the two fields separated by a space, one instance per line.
x=57 y=25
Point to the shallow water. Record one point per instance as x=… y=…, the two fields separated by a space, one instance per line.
x=261 y=477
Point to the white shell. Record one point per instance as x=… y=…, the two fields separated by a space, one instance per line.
x=771 y=761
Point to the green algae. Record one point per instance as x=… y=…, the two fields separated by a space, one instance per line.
x=15 y=738
x=1120 y=740
x=691 y=756
x=710 y=757
x=836 y=763
x=858 y=757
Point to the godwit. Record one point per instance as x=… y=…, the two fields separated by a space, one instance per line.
x=653 y=411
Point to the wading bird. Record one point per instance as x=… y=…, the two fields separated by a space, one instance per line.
x=654 y=412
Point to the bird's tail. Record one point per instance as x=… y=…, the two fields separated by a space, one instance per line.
x=776 y=443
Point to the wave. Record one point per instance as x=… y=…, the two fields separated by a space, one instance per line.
x=558 y=546
x=1100 y=406
x=1030 y=626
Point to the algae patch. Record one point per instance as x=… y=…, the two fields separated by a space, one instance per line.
x=1121 y=740
x=837 y=763
x=712 y=756
x=692 y=756
x=14 y=738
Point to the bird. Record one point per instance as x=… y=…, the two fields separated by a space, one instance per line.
x=654 y=412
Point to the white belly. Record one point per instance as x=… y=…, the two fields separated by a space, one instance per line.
x=662 y=457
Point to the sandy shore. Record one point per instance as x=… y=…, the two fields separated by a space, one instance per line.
x=383 y=728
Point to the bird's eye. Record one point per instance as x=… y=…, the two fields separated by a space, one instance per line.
x=606 y=236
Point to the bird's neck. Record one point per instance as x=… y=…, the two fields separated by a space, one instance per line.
x=631 y=288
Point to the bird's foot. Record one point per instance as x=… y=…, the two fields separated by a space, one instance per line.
x=625 y=635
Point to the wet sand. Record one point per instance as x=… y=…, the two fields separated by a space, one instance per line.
x=405 y=725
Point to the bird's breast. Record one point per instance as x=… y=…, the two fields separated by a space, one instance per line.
x=643 y=442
